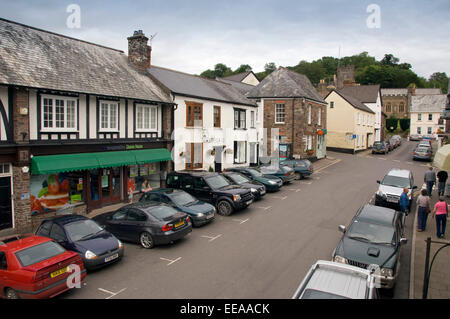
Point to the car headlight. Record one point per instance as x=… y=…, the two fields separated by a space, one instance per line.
x=120 y=244
x=213 y=210
x=272 y=183
x=253 y=190
x=236 y=197
x=200 y=215
x=340 y=259
x=380 y=193
x=90 y=255
x=388 y=272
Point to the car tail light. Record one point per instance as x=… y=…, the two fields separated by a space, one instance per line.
x=41 y=275
x=167 y=227
x=415 y=153
x=188 y=219
x=286 y=174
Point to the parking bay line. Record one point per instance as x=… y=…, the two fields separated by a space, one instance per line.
x=265 y=208
x=211 y=238
x=170 y=260
x=293 y=189
x=280 y=197
x=111 y=293
x=240 y=220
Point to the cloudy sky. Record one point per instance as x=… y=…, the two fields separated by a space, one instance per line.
x=194 y=35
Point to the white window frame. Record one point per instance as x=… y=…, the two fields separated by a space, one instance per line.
x=109 y=104
x=429 y=130
x=309 y=114
x=319 y=116
x=240 y=155
x=430 y=115
x=357 y=118
x=419 y=117
x=150 y=108
x=278 y=112
x=419 y=130
x=252 y=119
x=53 y=128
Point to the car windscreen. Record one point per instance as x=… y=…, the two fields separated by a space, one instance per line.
x=38 y=253
x=269 y=169
x=217 y=181
x=182 y=198
x=82 y=229
x=255 y=173
x=377 y=143
x=395 y=181
x=238 y=178
x=371 y=232
x=317 y=294
x=162 y=212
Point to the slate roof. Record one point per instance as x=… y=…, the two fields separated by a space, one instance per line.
x=364 y=93
x=385 y=92
x=434 y=103
x=284 y=83
x=238 y=77
x=35 y=58
x=195 y=86
x=242 y=87
x=353 y=101
x=427 y=91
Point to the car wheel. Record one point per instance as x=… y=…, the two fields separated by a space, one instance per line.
x=224 y=208
x=11 y=294
x=146 y=240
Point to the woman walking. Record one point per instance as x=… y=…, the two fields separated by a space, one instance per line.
x=423 y=204
x=440 y=211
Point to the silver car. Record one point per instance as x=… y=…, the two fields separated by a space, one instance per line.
x=332 y=280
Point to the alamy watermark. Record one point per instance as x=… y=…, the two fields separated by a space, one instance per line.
x=74 y=19
x=373 y=21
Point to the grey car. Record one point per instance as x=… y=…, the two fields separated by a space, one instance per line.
x=423 y=153
x=373 y=241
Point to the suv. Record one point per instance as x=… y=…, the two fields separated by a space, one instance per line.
x=271 y=183
x=373 y=241
x=330 y=280
x=380 y=147
x=391 y=187
x=213 y=188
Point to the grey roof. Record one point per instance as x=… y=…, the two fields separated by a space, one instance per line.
x=284 y=83
x=434 y=103
x=385 y=92
x=242 y=87
x=428 y=91
x=195 y=86
x=238 y=77
x=364 y=93
x=353 y=101
x=36 y=58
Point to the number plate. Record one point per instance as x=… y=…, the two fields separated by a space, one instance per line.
x=179 y=224
x=59 y=272
x=263 y=192
x=391 y=200
x=115 y=256
x=249 y=202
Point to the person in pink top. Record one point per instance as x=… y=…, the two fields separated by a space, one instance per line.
x=440 y=211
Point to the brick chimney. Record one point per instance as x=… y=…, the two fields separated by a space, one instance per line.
x=139 y=53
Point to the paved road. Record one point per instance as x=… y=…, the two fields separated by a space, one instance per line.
x=263 y=251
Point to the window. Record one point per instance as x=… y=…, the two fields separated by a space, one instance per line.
x=419 y=117
x=252 y=118
x=308 y=142
x=239 y=118
x=401 y=107
x=419 y=130
x=357 y=118
x=146 y=117
x=332 y=105
x=217 y=115
x=309 y=113
x=240 y=152
x=430 y=117
x=395 y=108
x=109 y=115
x=120 y=215
x=187 y=182
x=194 y=114
x=149 y=171
x=319 y=116
x=135 y=215
x=280 y=113
x=388 y=107
x=57 y=233
x=58 y=113
x=194 y=155
x=429 y=130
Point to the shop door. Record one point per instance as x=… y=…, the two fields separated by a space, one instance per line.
x=105 y=186
x=5 y=203
x=320 y=146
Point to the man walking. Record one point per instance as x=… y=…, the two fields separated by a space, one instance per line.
x=404 y=204
x=442 y=180
x=430 y=180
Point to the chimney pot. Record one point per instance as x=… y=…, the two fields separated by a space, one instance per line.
x=139 y=53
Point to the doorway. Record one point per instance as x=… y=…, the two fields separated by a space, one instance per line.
x=218 y=158
x=5 y=203
x=105 y=186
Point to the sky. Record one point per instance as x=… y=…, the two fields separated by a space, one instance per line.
x=194 y=35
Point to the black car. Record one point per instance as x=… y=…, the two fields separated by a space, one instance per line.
x=258 y=190
x=96 y=246
x=271 y=183
x=213 y=188
x=373 y=241
x=147 y=223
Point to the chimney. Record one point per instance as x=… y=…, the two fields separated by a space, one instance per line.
x=139 y=53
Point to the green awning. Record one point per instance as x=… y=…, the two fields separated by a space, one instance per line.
x=50 y=164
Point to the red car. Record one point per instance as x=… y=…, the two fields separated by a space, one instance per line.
x=37 y=267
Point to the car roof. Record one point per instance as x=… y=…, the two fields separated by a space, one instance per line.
x=195 y=173
x=376 y=214
x=22 y=243
x=65 y=219
x=167 y=191
x=399 y=172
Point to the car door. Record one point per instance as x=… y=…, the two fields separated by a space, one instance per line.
x=44 y=229
x=114 y=224
x=134 y=225
x=4 y=278
x=59 y=235
x=202 y=190
x=187 y=184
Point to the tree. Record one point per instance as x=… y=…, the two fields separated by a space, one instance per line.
x=221 y=70
x=389 y=59
x=242 y=68
x=269 y=67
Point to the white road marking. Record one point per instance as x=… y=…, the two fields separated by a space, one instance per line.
x=240 y=220
x=409 y=163
x=265 y=208
x=279 y=197
x=293 y=189
x=211 y=238
x=111 y=293
x=383 y=159
x=398 y=161
x=170 y=260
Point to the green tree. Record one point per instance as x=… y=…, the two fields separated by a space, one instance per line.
x=269 y=67
x=242 y=68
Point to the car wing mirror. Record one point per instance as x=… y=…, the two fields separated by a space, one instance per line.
x=379 y=182
x=342 y=229
x=403 y=241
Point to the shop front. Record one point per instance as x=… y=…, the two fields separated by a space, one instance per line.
x=6 y=205
x=59 y=183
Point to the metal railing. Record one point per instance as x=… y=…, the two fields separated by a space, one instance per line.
x=429 y=267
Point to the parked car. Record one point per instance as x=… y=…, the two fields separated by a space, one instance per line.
x=302 y=167
x=374 y=237
x=258 y=190
x=271 y=183
x=147 y=223
x=285 y=173
x=429 y=137
x=415 y=137
x=425 y=143
x=422 y=153
x=36 y=267
x=380 y=147
x=212 y=188
x=389 y=146
x=394 y=142
x=96 y=246
x=391 y=187
x=398 y=138
x=200 y=212
x=331 y=280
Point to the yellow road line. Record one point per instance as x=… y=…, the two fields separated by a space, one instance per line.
x=322 y=168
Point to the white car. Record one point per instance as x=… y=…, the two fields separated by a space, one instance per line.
x=391 y=187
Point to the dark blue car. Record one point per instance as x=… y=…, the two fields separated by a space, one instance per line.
x=200 y=212
x=77 y=233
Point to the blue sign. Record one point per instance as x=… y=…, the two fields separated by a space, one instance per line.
x=354 y=136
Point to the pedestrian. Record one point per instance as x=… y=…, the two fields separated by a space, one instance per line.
x=130 y=187
x=442 y=180
x=440 y=211
x=423 y=209
x=145 y=186
x=404 y=204
x=430 y=179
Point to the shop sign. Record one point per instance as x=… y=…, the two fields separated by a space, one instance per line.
x=134 y=147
